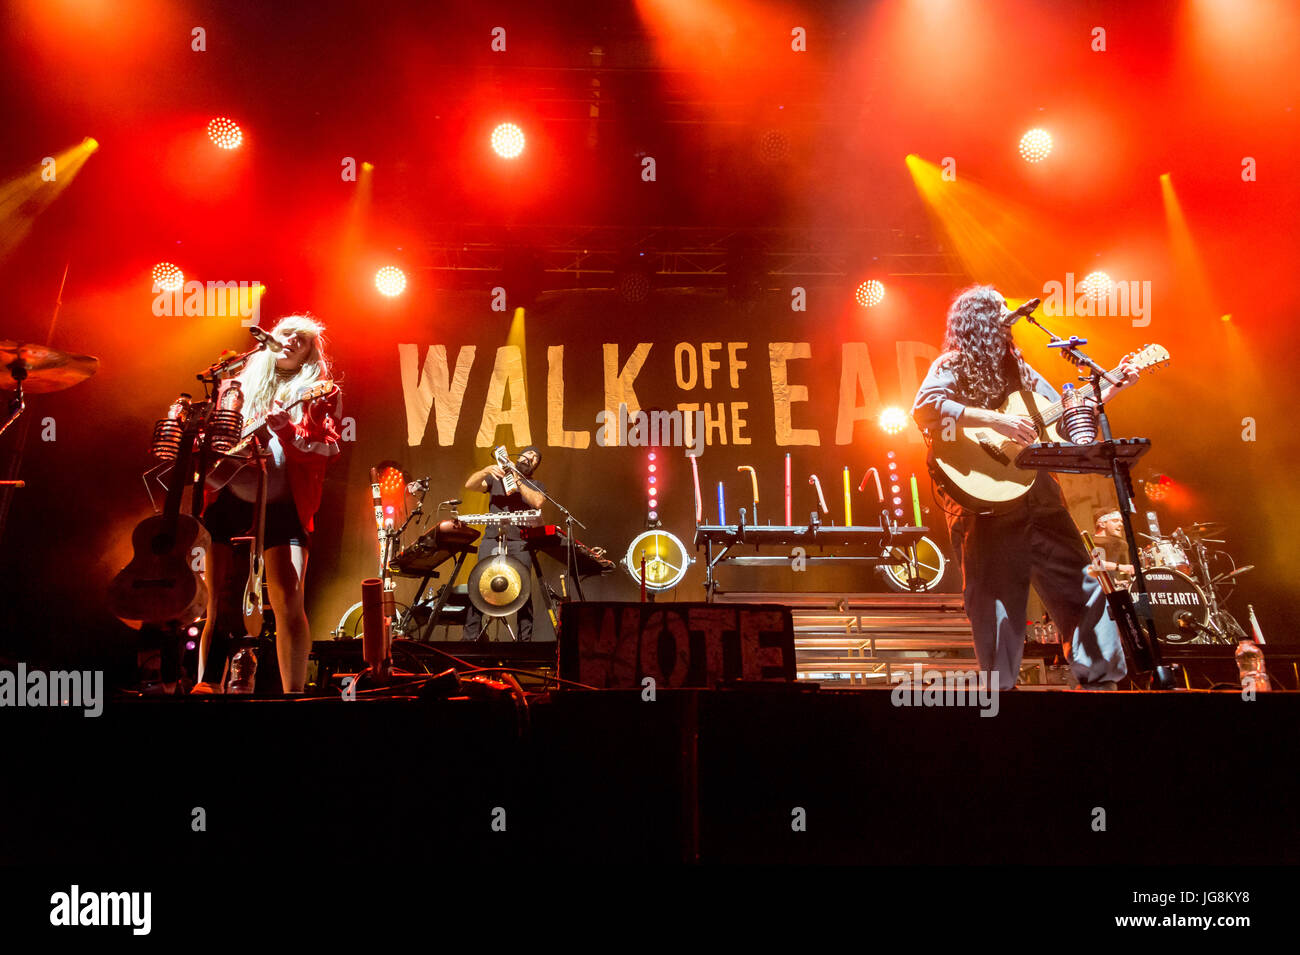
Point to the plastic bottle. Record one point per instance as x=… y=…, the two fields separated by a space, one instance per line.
x=1250 y=665
x=243 y=673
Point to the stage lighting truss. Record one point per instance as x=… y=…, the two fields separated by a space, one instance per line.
x=666 y=559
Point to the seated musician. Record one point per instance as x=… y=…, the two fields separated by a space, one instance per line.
x=300 y=442
x=528 y=497
x=1109 y=535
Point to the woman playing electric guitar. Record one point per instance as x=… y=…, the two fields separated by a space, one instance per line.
x=298 y=440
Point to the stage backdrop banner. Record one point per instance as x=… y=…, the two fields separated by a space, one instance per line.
x=620 y=645
x=599 y=386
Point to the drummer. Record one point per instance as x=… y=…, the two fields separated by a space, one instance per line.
x=1109 y=535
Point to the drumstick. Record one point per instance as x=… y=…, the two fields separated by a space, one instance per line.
x=821 y=499
x=753 y=480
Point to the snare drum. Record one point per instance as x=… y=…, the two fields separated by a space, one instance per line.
x=1165 y=553
x=1172 y=594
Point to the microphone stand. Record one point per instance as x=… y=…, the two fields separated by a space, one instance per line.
x=570 y=546
x=1162 y=676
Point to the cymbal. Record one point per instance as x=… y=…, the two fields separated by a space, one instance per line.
x=48 y=369
x=1205 y=528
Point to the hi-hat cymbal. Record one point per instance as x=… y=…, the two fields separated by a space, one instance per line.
x=48 y=369
x=1205 y=528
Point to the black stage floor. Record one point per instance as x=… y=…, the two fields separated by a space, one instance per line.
x=715 y=776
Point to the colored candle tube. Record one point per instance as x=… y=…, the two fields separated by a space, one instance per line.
x=722 y=507
x=916 y=502
x=848 y=501
x=699 y=498
x=787 y=490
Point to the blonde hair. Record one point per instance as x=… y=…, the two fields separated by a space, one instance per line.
x=262 y=386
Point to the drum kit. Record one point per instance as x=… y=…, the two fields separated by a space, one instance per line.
x=1184 y=594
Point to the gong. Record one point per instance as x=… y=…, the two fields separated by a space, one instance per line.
x=499 y=585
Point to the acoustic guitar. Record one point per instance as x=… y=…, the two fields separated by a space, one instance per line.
x=977 y=467
x=163 y=582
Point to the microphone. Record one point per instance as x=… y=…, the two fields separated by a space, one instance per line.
x=415 y=487
x=453 y=503
x=266 y=339
x=1021 y=312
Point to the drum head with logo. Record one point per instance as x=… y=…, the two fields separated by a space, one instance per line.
x=1171 y=595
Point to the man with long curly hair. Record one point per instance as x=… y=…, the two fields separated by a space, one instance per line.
x=1036 y=541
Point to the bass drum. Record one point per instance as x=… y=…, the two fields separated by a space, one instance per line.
x=1172 y=595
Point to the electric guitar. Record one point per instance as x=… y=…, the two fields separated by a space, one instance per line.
x=235 y=460
x=977 y=467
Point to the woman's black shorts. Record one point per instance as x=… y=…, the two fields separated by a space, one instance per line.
x=229 y=516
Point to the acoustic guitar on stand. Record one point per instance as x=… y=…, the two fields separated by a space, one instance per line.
x=978 y=466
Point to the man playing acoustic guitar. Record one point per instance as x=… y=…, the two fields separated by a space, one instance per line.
x=1032 y=540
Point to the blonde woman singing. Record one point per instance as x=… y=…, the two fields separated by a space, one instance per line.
x=299 y=445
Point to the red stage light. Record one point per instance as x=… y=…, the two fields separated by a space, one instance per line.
x=390 y=280
x=225 y=133
x=870 y=292
x=1035 y=145
x=168 y=277
x=508 y=141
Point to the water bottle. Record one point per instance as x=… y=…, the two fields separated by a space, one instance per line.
x=1250 y=664
x=243 y=673
x=1078 y=420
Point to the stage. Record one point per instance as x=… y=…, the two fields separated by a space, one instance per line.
x=768 y=774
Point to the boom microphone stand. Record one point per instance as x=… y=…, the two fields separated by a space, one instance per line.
x=1162 y=676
